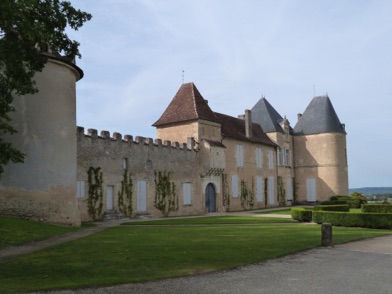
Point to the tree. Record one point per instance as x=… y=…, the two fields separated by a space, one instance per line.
x=27 y=29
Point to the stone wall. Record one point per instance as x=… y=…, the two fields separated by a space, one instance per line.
x=321 y=157
x=44 y=186
x=144 y=156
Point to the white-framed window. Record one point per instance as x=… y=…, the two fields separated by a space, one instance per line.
x=289 y=184
x=270 y=159
x=80 y=189
x=234 y=186
x=288 y=157
x=240 y=155
x=187 y=193
x=259 y=189
x=284 y=158
x=259 y=157
x=279 y=156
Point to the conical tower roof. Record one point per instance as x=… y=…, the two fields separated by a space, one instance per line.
x=187 y=104
x=319 y=117
x=266 y=116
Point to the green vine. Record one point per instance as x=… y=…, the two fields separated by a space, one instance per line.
x=266 y=192
x=281 y=192
x=295 y=191
x=247 y=195
x=226 y=194
x=166 y=199
x=125 y=195
x=95 y=192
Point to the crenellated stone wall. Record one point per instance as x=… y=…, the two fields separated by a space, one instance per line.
x=143 y=156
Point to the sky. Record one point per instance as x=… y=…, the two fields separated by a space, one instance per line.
x=137 y=53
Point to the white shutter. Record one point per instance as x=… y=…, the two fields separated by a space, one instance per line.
x=234 y=186
x=289 y=189
x=141 y=196
x=259 y=158
x=270 y=159
x=240 y=155
x=311 y=190
x=259 y=187
x=187 y=193
x=80 y=189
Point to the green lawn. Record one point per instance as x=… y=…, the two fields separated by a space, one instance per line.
x=15 y=231
x=129 y=254
x=213 y=220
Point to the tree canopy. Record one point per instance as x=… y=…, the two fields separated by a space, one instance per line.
x=27 y=29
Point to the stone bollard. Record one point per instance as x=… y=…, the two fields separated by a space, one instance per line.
x=326 y=235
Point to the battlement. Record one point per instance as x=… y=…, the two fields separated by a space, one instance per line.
x=138 y=140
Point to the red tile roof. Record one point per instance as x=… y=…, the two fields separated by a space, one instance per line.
x=235 y=128
x=187 y=104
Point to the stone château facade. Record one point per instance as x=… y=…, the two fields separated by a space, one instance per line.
x=215 y=161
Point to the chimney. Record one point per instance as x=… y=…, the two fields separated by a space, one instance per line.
x=248 y=124
x=299 y=115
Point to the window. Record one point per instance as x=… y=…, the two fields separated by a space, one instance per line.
x=270 y=159
x=186 y=189
x=234 y=186
x=284 y=151
x=141 y=196
x=240 y=156
x=288 y=157
x=125 y=164
x=289 y=185
x=80 y=189
x=259 y=158
x=279 y=156
x=259 y=191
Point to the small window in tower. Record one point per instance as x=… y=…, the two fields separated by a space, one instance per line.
x=125 y=163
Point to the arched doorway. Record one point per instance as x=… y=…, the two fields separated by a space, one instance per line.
x=210 y=198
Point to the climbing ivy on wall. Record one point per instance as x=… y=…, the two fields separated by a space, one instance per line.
x=247 y=195
x=125 y=195
x=281 y=192
x=95 y=192
x=295 y=191
x=226 y=194
x=266 y=192
x=166 y=199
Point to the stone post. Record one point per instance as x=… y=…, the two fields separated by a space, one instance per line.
x=326 y=235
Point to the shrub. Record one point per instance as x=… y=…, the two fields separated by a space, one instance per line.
x=343 y=207
x=345 y=219
x=301 y=215
x=340 y=197
x=357 y=199
x=333 y=202
x=377 y=208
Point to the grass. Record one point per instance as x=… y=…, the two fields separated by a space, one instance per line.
x=281 y=211
x=213 y=220
x=128 y=254
x=15 y=231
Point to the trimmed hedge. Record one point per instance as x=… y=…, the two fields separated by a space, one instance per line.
x=343 y=207
x=301 y=215
x=377 y=208
x=334 y=202
x=346 y=219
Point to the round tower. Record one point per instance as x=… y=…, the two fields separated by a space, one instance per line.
x=320 y=153
x=44 y=186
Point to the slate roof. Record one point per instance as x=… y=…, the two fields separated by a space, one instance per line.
x=319 y=117
x=187 y=104
x=235 y=128
x=266 y=116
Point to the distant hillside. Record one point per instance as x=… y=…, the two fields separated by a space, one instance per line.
x=372 y=190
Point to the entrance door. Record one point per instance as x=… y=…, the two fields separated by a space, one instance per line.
x=109 y=197
x=141 y=196
x=311 y=190
x=210 y=198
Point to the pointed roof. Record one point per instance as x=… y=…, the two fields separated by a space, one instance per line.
x=265 y=115
x=187 y=104
x=319 y=117
x=235 y=128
